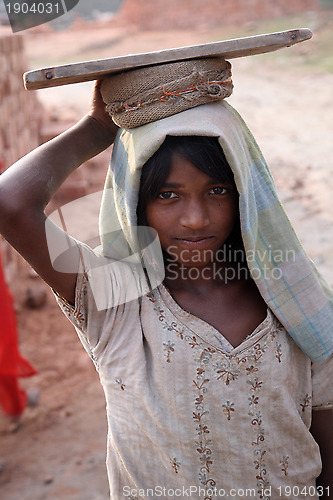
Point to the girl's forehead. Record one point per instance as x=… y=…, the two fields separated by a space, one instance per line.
x=183 y=170
x=201 y=167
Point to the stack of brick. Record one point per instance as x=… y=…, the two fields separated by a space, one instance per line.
x=191 y=14
x=22 y=129
x=20 y=124
x=20 y=111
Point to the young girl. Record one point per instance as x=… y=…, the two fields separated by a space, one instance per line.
x=208 y=378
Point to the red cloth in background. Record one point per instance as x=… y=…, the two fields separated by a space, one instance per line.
x=12 y=364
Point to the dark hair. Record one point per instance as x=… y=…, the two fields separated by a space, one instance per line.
x=204 y=152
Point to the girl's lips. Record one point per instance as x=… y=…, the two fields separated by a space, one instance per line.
x=196 y=242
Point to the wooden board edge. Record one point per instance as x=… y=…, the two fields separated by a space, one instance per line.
x=93 y=70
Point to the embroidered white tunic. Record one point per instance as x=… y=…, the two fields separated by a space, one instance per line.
x=188 y=414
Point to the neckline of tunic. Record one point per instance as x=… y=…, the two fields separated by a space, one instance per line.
x=209 y=333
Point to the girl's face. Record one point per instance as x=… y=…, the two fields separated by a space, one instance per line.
x=193 y=214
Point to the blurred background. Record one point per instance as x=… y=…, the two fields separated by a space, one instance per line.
x=57 y=449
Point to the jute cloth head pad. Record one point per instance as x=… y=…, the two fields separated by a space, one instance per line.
x=148 y=94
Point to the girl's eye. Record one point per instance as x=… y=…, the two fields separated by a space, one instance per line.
x=219 y=190
x=167 y=195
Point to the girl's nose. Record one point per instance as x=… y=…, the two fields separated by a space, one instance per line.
x=194 y=215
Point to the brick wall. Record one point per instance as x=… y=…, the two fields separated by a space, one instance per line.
x=188 y=14
x=20 y=124
x=20 y=111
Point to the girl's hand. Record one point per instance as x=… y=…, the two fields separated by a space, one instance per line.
x=98 y=111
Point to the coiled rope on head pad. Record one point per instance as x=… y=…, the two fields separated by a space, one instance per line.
x=144 y=95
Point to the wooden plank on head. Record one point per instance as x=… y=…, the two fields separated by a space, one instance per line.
x=101 y=68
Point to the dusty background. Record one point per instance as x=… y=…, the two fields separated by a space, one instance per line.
x=58 y=449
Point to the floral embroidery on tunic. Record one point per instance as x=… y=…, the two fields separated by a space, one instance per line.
x=226 y=373
x=284 y=465
x=75 y=314
x=305 y=402
x=203 y=442
x=169 y=347
x=278 y=352
x=175 y=464
x=227 y=368
x=228 y=409
x=120 y=383
x=256 y=384
x=261 y=476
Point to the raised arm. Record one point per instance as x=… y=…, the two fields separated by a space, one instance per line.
x=28 y=185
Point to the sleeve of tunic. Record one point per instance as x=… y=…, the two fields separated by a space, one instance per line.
x=322 y=384
x=107 y=296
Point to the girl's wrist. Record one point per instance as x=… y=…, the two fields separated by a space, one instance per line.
x=106 y=131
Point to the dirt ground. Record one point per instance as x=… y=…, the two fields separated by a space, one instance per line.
x=58 y=450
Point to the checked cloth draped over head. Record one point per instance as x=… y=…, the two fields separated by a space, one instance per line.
x=285 y=276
